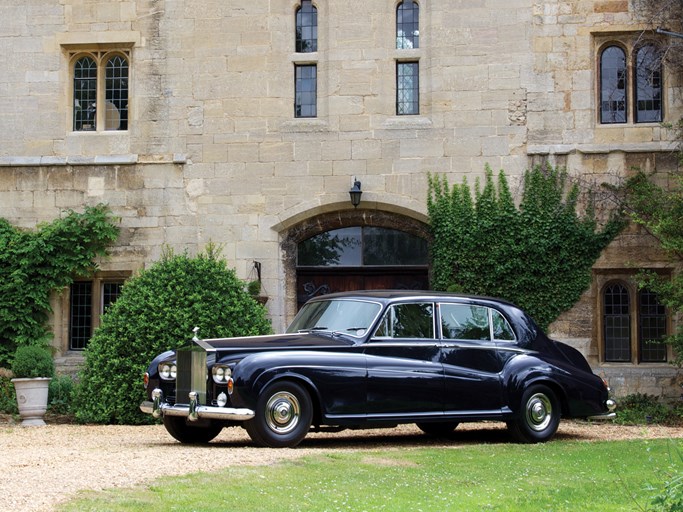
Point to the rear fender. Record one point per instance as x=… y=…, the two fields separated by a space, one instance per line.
x=527 y=371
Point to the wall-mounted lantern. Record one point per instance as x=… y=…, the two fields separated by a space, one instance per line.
x=355 y=193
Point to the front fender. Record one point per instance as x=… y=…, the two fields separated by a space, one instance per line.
x=336 y=381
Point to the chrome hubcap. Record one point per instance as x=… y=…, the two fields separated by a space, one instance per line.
x=539 y=412
x=282 y=412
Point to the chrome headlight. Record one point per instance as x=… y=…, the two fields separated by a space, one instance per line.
x=221 y=374
x=167 y=370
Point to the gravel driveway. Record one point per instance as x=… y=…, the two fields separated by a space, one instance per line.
x=43 y=466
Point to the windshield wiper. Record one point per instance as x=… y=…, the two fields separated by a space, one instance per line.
x=312 y=329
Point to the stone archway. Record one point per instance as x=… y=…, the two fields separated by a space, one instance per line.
x=348 y=278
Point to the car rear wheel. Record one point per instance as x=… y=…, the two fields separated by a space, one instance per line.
x=179 y=428
x=438 y=429
x=538 y=416
x=284 y=412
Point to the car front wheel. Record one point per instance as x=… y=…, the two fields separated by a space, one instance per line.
x=538 y=416
x=284 y=412
x=178 y=427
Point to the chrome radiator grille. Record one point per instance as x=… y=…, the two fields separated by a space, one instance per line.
x=192 y=374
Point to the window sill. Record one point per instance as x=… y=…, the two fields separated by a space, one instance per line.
x=36 y=161
x=407 y=122
x=626 y=147
x=305 y=124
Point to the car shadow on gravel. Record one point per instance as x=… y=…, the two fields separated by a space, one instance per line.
x=400 y=438
x=420 y=440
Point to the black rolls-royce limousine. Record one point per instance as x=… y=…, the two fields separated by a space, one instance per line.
x=377 y=359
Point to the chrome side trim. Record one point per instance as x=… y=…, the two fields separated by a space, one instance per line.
x=201 y=411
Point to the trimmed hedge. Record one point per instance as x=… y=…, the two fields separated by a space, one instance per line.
x=156 y=311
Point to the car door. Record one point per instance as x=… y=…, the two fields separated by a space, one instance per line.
x=405 y=374
x=471 y=359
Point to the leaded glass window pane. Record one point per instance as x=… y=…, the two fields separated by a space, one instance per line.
x=306 y=28
x=617 y=323
x=116 y=94
x=407 y=25
x=305 y=102
x=613 y=83
x=80 y=321
x=648 y=85
x=85 y=94
x=110 y=292
x=652 y=324
x=407 y=88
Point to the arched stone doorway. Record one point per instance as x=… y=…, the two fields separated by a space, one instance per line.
x=353 y=250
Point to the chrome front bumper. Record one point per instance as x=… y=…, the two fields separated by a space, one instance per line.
x=610 y=415
x=193 y=411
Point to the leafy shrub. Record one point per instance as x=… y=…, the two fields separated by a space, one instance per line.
x=8 y=399
x=538 y=255
x=156 y=311
x=33 y=361
x=640 y=409
x=59 y=395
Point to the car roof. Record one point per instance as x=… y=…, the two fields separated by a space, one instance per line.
x=526 y=330
x=402 y=295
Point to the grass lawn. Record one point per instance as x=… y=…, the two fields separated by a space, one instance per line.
x=557 y=476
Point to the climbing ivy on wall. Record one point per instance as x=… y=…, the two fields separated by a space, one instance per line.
x=538 y=254
x=35 y=263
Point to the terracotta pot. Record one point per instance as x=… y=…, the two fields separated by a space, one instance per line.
x=32 y=400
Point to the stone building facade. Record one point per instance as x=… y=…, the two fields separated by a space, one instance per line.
x=201 y=121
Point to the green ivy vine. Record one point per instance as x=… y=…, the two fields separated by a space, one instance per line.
x=36 y=263
x=538 y=254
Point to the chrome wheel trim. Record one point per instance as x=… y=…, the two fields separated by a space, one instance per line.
x=539 y=412
x=282 y=412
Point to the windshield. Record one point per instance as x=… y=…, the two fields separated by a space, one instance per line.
x=341 y=315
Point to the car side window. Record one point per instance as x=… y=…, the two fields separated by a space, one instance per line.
x=465 y=322
x=414 y=320
x=501 y=328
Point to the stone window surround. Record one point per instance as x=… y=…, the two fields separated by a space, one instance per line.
x=404 y=40
x=629 y=41
x=101 y=58
x=72 y=43
x=310 y=9
x=603 y=278
x=63 y=302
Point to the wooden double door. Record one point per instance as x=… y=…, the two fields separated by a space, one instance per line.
x=312 y=282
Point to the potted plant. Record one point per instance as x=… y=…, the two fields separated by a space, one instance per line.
x=33 y=369
x=254 y=289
